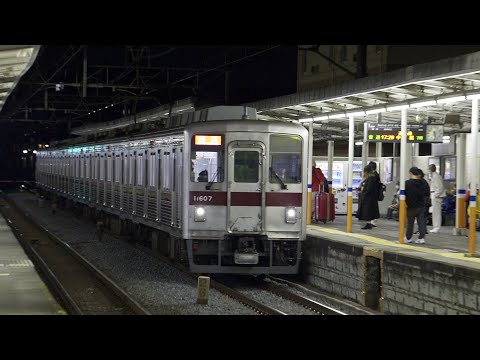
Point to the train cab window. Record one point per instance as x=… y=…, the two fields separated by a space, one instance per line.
x=207 y=158
x=286 y=158
x=246 y=166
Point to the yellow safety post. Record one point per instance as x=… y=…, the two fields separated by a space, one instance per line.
x=473 y=223
x=309 y=205
x=462 y=221
x=349 y=210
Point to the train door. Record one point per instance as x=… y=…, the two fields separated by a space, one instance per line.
x=246 y=190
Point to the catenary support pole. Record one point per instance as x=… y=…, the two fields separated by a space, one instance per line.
x=473 y=177
x=351 y=143
x=330 y=165
x=403 y=171
x=309 y=173
x=460 y=213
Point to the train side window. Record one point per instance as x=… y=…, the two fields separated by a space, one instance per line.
x=118 y=169
x=140 y=170
x=102 y=168
x=159 y=172
x=152 y=179
x=87 y=166
x=246 y=165
x=166 y=171
x=77 y=166
x=125 y=169
x=82 y=167
x=109 y=167
x=286 y=158
x=132 y=173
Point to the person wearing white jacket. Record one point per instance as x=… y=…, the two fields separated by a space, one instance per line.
x=437 y=193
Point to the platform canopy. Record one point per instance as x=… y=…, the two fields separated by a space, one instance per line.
x=15 y=60
x=438 y=91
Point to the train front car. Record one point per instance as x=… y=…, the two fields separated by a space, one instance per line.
x=246 y=196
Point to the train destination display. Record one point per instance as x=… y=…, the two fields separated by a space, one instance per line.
x=416 y=133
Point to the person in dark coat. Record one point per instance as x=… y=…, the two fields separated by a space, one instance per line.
x=373 y=166
x=425 y=213
x=415 y=193
x=368 y=198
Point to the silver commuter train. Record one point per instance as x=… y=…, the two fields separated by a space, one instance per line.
x=228 y=188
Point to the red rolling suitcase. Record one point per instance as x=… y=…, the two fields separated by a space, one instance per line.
x=325 y=207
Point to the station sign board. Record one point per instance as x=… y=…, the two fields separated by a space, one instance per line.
x=416 y=133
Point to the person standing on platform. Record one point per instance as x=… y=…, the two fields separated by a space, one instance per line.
x=373 y=166
x=437 y=193
x=394 y=206
x=428 y=201
x=368 y=198
x=416 y=191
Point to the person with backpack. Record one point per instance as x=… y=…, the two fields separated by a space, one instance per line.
x=368 y=198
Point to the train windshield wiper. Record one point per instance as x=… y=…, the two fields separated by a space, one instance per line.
x=210 y=183
x=282 y=185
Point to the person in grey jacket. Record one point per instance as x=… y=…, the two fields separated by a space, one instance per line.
x=437 y=193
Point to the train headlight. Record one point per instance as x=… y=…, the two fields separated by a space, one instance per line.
x=290 y=215
x=200 y=213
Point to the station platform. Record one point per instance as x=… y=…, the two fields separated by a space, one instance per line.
x=442 y=243
x=22 y=291
x=373 y=269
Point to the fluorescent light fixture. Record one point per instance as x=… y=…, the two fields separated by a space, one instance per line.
x=358 y=143
x=451 y=99
x=356 y=113
x=337 y=116
x=375 y=111
x=469 y=97
x=446 y=137
x=320 y=118
x=423 y=103
x=306 y=120
x=397 y=107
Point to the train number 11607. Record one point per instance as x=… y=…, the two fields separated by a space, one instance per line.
x=205 y=198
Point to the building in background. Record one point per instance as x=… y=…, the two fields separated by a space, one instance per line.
x=325 y=65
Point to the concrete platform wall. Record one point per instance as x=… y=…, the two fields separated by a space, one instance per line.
x=389 y=282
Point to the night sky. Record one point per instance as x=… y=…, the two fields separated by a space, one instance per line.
x=269 y=74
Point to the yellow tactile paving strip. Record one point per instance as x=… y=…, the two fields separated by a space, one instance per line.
x=379 y=241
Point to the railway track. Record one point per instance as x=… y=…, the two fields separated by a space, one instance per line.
x=80 y=287
x=260 y=290
x=303 y=300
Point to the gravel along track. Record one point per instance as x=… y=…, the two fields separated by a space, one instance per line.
x=157 y=286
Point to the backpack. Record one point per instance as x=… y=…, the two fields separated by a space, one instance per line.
x=381 y=191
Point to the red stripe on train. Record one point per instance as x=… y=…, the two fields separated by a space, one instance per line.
x=245 y=198
x=284 y=199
